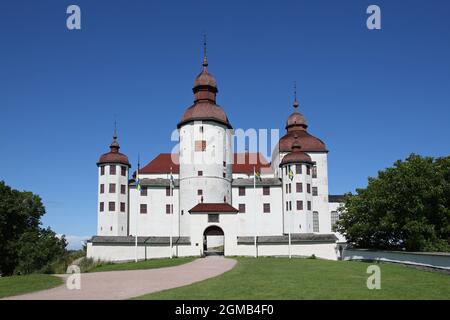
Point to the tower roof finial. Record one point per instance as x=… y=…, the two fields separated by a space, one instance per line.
x=295 y=95
x=205 y=59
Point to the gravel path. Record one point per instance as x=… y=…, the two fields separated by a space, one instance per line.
x=114 y=285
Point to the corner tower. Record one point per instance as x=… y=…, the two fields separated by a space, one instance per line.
x=112 y=210
x=205 y=149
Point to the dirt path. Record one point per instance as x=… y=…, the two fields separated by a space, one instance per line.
x=115 y=285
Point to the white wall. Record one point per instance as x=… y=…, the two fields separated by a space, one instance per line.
x=435 y=260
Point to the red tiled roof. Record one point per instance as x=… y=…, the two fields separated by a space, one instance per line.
x=213 y=207
x=308 y=142
x=242 y=163
x=162 y=164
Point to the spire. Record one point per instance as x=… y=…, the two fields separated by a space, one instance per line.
x=205 y=59
x=114 y=144
x=295 y=96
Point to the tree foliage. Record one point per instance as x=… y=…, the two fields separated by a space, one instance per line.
x=406 y=207
x=25 y=247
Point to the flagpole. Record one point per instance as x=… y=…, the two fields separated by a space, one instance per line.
x=255 y=207
x=171 y=213
x=290 y=224
x=137 y=215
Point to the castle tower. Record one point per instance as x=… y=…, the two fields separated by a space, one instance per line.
x=296 y=172
x=112 y=209
x=205 y=149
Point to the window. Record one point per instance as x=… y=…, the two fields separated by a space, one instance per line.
x=290 y=205
x=102 y=170
x=290 y=188
x=287 y=187
x=315 y=221
x=334 y=218
x=287 y=206
x=199 y=192
x=298 y=168
x=314 y=172
x=224 y=175
x=112 y=170
x=123 y=189
x=314 y=191
x=123 y=171
x=112 y=188
x=122 y=207
x=200 y=145
x=200 y=173
x=308 y=188
x=213 y=218
x=224 y=164
x=169 y=208
x=143 y=209
x=169 y=192
x=112 y=206
x=143 y=191
x=309 y=205
x=266 y=191
x=242 y=191
x=299 y=205
x=102 y=188
x=299 y=187
x=201 y=129
x=241 y=208
x=102 y=206
x=308 y=170
x=266 y=207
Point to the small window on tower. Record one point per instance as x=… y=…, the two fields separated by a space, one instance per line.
x=102 y=170
x=112 y=188
x=242 y=191
x=102 y=188
x=309 y=205
x=168 y=209
x=200 y=145
x=201 y=129
x=143 y=191
x=102 y=206
x=241 y=208
x=266 y=207
x=308 y=188
x=299 y=187
x=266 y=191
x=298 y=169
x=200 y=173
x=308 y=170
x=199 y=192
x=314 y=191
x=143 y=208
x=224 y=164
x=123 y=189
x=123 y=171
x=169 y=192
x=314 y=172
x=224 y=175
x=213 y=218
x=299 y=205
x=112 y=206
x=112 y=169
x=122 y=207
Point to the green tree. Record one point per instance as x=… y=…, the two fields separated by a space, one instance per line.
x=20 y=214
x=406 y=207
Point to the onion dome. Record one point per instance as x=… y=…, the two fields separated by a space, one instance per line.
x=205 y=107
x=114 y=156
x=296 y=125
x=296 y=156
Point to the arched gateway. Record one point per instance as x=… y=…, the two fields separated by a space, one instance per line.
x=213 y=241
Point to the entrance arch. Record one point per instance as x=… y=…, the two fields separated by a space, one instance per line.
x=213 y=241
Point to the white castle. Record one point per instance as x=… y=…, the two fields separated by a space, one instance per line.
x=206 y=198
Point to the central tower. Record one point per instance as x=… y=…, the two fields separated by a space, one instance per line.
x=205 y=153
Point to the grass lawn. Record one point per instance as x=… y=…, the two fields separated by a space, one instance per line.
x=146 y=264
x=14 y=285
x=281 y=278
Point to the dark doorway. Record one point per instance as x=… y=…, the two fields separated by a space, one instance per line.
x=213 y=241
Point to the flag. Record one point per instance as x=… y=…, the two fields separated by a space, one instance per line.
x=290 y=173
x=172 y=182
x=258 y=175
x=138 y=183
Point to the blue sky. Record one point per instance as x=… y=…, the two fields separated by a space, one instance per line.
x=372 y=96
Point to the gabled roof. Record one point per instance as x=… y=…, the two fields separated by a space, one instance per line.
x=213 y=207
x=242 y=163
